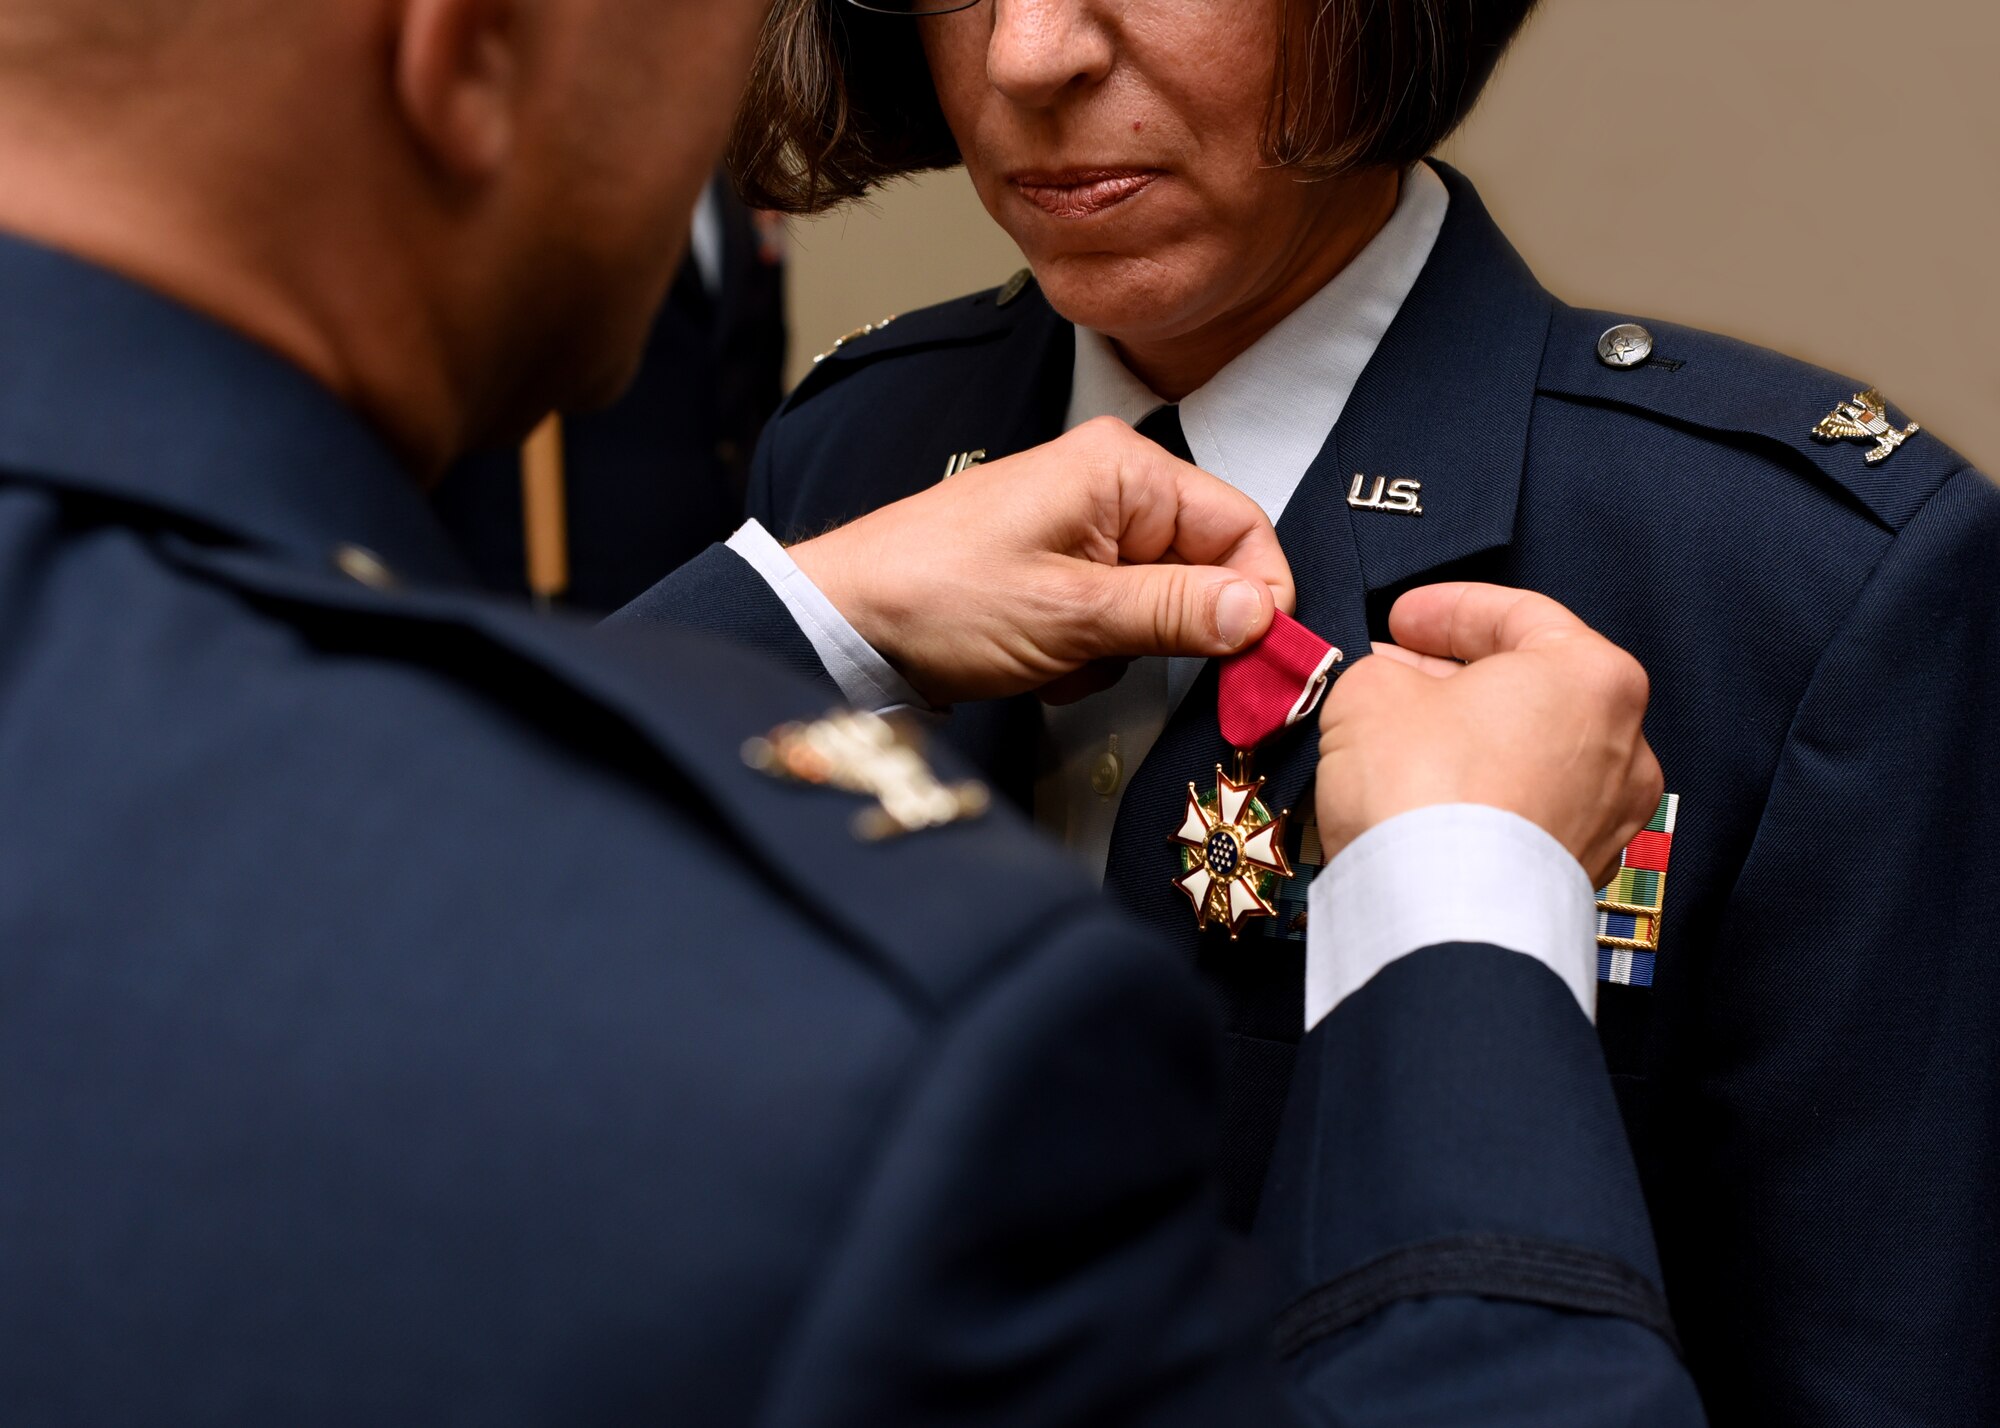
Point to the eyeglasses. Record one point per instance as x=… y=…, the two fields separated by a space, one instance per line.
x=912 y=7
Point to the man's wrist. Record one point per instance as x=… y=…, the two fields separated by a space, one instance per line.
x=864 y=675
x=851 y=582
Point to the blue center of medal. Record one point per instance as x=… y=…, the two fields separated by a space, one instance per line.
x=1220 y=854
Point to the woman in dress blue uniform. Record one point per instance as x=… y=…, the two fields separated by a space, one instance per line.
x=1239 y=245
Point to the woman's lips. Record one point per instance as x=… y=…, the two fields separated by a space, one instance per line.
x=1081 y=193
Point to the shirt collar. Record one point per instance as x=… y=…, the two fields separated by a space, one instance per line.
x=112 y=390
x=1260 y=421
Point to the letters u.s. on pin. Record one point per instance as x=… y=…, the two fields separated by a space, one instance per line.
x=1402 y=497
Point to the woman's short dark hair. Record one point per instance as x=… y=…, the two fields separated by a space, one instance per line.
x=841 y=99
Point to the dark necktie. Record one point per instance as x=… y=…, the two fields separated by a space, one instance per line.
x=1164 y=427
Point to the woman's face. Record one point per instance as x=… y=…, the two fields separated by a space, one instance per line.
x=1120 y=144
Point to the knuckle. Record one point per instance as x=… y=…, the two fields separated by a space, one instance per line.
x=1101 y=437
x=1614 y=674
x=1174 y=609
x=1652 y=777
x=1358 y=684
x=1348 y=691
x=1631 y=678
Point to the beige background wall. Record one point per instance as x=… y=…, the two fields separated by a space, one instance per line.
x=1821 y=176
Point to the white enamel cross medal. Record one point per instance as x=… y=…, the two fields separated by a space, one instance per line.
x=1232 y=851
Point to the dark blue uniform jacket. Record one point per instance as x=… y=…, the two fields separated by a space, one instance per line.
x=1812 y=1078
x=413 y=1011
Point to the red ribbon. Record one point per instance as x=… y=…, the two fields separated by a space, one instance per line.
x=1275 y=683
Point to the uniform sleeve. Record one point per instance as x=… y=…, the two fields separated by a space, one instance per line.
x=1039 y=1241
x=1848 y=1070
x=719 y=592
x=1455 y=1207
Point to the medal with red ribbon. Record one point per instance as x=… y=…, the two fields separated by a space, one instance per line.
x=1232 y=848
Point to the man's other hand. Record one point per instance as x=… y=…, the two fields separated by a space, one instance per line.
x=1542 y=718
x=1042 y=571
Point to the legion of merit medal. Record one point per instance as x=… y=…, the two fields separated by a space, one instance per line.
x=1232 y=852
x=1231 y=846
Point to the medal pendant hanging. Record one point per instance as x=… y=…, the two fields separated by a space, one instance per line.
x=1231 y=846
x=1232 y=851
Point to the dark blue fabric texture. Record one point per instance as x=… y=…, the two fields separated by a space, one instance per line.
x=719 y=593
x=413 y=1011
x=1811 y=1083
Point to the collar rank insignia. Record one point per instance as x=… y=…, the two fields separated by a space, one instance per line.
x=1866 y=418
x=860 y=332
x=1629 y=907
x=867 y=754
x=1232 y=853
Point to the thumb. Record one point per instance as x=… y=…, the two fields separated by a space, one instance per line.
x=1467 y=621
x=1173 y=610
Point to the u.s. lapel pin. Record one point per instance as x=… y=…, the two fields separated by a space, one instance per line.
x=1402 y=497
x=963 y=461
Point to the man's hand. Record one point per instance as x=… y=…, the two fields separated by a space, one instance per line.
x=1027 y=573
x=1542 y=719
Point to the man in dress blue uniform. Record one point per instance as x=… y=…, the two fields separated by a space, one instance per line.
x=417 y=1011
x=1806 y=1042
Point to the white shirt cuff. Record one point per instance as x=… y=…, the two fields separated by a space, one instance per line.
x=1458 y=872
x=867 y=680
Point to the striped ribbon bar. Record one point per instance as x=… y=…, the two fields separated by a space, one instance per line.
x=1628 y=908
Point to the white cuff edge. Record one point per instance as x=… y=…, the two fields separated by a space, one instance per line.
x=867 y=680
x=1457 y=872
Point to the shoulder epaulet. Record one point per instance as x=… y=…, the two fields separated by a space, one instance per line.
x=1843 y=428
x=875 y=827
x=976 y=317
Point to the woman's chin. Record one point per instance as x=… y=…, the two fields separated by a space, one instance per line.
x=1117 y=295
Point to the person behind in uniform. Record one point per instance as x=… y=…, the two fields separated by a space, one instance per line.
x=417 y=1010
x=655 y=478
x=1240 y=246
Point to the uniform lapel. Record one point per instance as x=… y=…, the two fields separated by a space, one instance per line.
x=1445 y=401
x=1023 y=394
x=1019 y=403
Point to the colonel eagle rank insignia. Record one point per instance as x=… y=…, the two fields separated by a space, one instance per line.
x=867 y=754
x=1866 y=418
